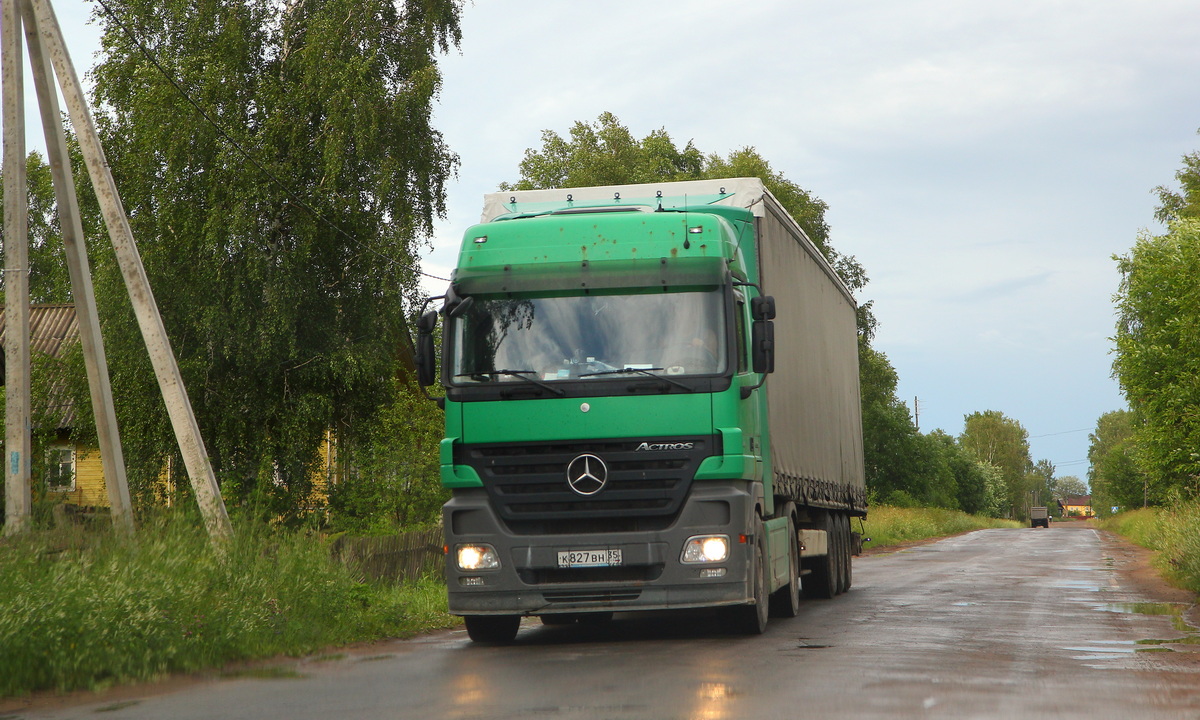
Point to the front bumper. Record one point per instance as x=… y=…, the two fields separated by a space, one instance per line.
x=651 y=576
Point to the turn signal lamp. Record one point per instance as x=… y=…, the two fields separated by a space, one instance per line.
x=705 y=549
x=477 y=557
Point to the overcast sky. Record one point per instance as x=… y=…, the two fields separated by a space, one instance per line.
x=983 y=161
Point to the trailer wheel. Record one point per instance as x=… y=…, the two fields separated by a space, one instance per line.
x=494 y=629
x=785 y=602
x=847 y=551
x=822 y=581
x=752 y=619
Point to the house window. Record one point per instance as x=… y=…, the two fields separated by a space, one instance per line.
x=60 y=468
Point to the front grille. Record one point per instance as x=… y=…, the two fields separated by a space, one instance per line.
x=527 y=483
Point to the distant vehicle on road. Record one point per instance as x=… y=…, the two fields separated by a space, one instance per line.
x=1039 y=517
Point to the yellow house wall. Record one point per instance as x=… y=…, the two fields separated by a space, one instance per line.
x=90 y=490
x=326 y=470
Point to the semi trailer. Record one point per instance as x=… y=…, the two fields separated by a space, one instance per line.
x=651 y=403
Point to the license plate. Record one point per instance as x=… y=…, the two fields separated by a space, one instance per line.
x=589 y=558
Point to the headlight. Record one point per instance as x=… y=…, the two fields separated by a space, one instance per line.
x=477 y=557
x=706 y=549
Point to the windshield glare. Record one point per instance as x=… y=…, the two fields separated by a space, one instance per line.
x=589 y=337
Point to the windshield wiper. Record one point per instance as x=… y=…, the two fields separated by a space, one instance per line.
x=644 y=371
x=520 y=374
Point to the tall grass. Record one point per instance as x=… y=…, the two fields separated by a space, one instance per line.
x=1173 y=531
x=888 y=526
x=87 y=610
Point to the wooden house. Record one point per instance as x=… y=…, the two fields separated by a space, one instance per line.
x=1077 y=506
x=71 y=470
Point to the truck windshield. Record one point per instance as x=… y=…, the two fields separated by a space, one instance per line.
x=589 y=337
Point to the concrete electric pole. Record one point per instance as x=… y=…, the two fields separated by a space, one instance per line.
x=49 y=58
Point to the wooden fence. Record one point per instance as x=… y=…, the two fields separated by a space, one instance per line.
x=406 y=556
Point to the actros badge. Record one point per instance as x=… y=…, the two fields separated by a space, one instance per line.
x=586 y=474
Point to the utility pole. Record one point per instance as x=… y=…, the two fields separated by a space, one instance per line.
x=112 y=458
x=916 y=414
x=49 y=57
x=17 y=430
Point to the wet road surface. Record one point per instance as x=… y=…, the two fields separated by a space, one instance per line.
x=993 y=624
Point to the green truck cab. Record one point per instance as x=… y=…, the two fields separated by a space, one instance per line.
x=608 y=358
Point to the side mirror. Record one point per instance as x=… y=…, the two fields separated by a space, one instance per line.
x=458 y=308
x=426 y=360
x=763 y=307
x=762 y=350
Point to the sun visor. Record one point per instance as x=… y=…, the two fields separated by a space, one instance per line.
x=588 y=276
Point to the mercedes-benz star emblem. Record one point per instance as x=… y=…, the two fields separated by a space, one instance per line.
x=586 y=474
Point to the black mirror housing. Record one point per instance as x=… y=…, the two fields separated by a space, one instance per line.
x=762 y=341
x=426 y=359
x=763 y=307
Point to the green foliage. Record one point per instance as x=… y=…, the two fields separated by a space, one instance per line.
x=285 y=307
x=1115 y=478
x=84 y=611
x=903 y=467
x=1171 y=530
x=1158 y=355
x=1185 y=203
x=605 y=153
x=394 y=479
x=1140 y=526
x=993 y=438
x=887 y=526
x=1069 y=485
x=48 y=281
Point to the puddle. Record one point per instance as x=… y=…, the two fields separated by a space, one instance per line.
x=1174 y=611
x=1189 y=639
x=1106 y=647
x=1081 y=585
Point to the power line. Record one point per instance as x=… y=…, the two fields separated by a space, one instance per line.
x=246 y=154
x=1064 y=432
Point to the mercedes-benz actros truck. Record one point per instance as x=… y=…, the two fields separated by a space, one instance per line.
x=651 y=402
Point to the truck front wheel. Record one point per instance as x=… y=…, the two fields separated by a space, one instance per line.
x=752 y=619
x=495 y=629
x=785 y=602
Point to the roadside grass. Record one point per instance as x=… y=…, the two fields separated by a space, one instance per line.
x=887 y=526
x=1172 y=532
x=88 y=610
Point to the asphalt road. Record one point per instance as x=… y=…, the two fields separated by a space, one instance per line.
x=994 y=624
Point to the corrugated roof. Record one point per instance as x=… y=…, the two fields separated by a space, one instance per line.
x=52 y=330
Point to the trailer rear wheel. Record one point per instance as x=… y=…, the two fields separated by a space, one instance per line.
x=847 y=551
x=822 y=582
x=494 y=629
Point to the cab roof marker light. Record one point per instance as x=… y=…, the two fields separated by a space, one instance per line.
x=481 y=239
